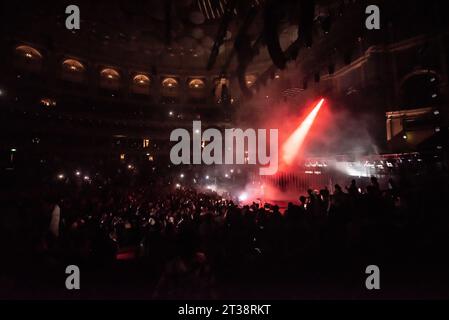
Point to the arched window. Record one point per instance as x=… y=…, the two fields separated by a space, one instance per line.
x=141 y=84
x=196 y=84
x=72 y=65
x=197 y=89
x=169 y=83
x=73 y=70
x=109 y=79
x=109 y=73
x=141 y=80
x=169 y=90
x=28 y=58
x=29 y=52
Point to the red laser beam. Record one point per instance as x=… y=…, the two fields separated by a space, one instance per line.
x=293 y=144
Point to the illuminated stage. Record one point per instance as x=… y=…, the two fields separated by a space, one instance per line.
x=317 y=173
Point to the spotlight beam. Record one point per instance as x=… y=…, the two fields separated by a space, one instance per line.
x=293 y=144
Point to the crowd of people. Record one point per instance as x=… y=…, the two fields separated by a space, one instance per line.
x=182 y=243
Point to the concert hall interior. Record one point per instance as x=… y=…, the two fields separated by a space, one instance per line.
x=356 y=122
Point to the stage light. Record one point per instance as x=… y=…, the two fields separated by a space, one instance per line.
x=294 y=143
x=60 y=176
x=207 y=177
x=77 y=173
x=404 y=137
x=170 y=113
x=181 y=175
x=434 y=95
x=178 y=186
x=243 y=196
x=353 y=170
x=436 y=112
x=86 y=178
x=13 y=150
x=226 y=175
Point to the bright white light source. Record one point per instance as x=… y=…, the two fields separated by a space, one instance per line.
x=178 y=186
x=60 y=176
x=181 y=175
x=78 y=173
x=243 y=196
x=207 y=177
x=86 y=178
